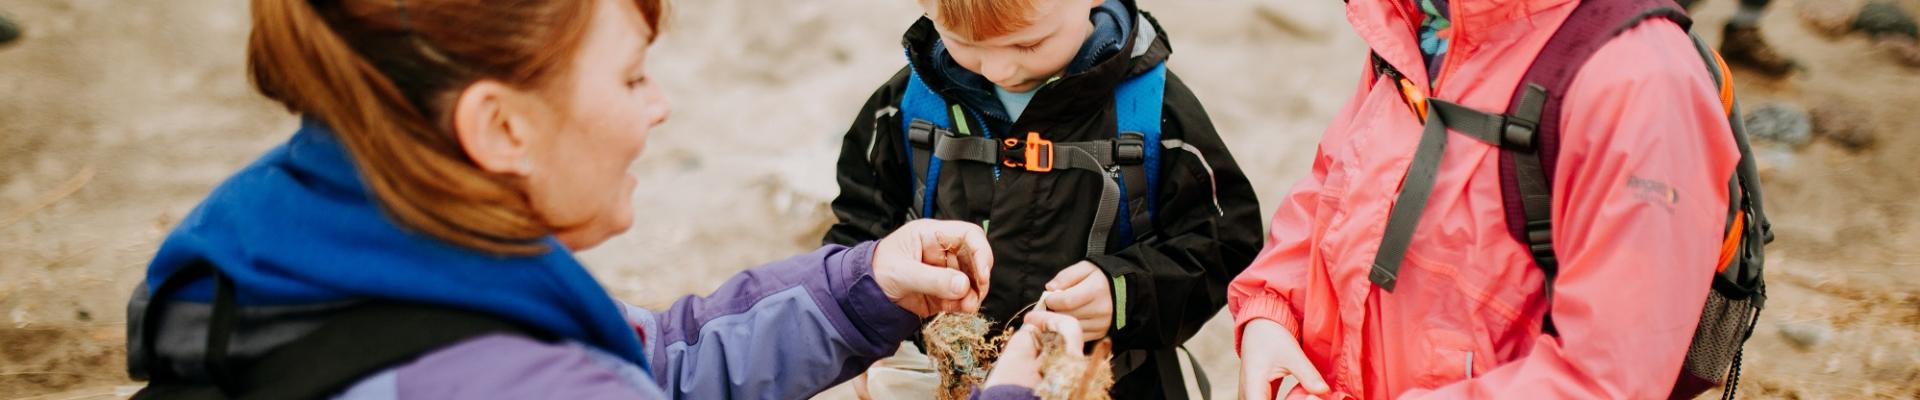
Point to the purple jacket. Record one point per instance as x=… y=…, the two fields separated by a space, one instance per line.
x=785 y=330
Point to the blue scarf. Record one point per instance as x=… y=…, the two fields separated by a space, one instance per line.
x=298 y=227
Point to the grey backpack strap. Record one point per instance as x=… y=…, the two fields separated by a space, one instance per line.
x=1130 y=157
x=920 y=141
x=1411 y=203
x=951 y=147
x=1510 y=132
x=1535 y=193
x=1096 y=157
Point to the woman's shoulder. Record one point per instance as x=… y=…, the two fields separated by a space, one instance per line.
x=503 y=366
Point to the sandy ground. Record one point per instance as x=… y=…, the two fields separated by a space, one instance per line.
x=117 y=116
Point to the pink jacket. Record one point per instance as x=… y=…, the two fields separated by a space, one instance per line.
x=1640 y=197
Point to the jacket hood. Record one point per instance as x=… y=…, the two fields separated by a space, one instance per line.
x=1389 y=28
x=299 y=227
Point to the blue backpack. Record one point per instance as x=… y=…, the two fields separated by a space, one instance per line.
x=937 y=132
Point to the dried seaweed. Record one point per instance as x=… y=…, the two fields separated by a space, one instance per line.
x=961 y=353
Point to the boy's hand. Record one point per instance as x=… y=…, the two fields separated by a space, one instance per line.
x=1268 y=353
x=1081 y=291
x=930 y=267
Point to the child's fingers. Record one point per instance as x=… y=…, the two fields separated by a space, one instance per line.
x=1255 y=383
x=1072 y=275
x=1075 y=297
x=1308 y=376
x=1071 y=332
x=1021 y=345
x=1065 y=325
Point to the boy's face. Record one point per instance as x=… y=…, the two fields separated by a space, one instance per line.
x=1022 y=60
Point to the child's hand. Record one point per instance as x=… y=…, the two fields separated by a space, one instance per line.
x=1082 y=292
x=930 y=267
x=1019 y=362
x=1269 y=353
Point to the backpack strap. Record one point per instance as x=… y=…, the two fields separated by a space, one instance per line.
x=1528 y=135
x=1527 y=174
x=365 y=340
x=1139 y=104
x=923 y=117
x=347 y=347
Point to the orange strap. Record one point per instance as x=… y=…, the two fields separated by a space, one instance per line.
x=1731 y=245
x=1726 y=83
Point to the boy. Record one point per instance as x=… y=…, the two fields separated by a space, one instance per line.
x=1096 y=173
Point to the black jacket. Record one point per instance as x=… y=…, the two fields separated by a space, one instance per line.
x=1175 y=276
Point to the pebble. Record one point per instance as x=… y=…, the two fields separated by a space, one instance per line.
x=1902 y=50
x=1806 y=335
x=1782 y=123
x=1827 y=18
x=1844 y=123
x=8 y=30
x=1883 y=18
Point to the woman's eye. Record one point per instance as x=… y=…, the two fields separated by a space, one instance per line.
x=1027 y=48
x=636 y=81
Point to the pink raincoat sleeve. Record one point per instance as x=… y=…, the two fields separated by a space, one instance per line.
x=1265 y=289
x=1643 y=173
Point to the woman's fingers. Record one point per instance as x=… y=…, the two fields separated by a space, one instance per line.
x=976 y=255
x=961 y=246
x=937 y=282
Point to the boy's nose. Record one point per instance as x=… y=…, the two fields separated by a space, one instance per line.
x=1000 y=72
x=663 y=106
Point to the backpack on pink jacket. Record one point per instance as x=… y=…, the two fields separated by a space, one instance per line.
x=1528 y=134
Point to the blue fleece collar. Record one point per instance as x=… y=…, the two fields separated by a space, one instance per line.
x=298 y=227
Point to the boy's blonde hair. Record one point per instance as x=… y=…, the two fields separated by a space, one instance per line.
x=981 y=19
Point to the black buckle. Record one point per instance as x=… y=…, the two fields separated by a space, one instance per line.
x=920 y=133
x=1130 y=149
x=1517 y=133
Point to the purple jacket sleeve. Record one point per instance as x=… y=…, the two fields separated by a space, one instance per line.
x=1004 y=392
x=785 y=330
x=508 y=367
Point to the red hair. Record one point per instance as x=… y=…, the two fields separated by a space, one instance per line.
x=981 y=19
x=384 y=73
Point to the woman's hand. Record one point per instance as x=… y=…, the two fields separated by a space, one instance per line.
x=1019 y=363
x=1268 y=353
x=930 y=266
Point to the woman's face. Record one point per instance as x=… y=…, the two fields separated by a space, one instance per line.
x=599 y=114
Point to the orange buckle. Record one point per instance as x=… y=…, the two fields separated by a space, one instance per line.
x=1007 y=154
x=1039 y=153
x=1414 y=98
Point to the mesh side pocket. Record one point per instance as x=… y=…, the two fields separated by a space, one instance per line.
x=1725 y=325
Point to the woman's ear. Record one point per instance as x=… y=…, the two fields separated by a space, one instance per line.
x=490 y=129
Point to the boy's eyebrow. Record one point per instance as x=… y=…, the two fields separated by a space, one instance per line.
x=1030 y=38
